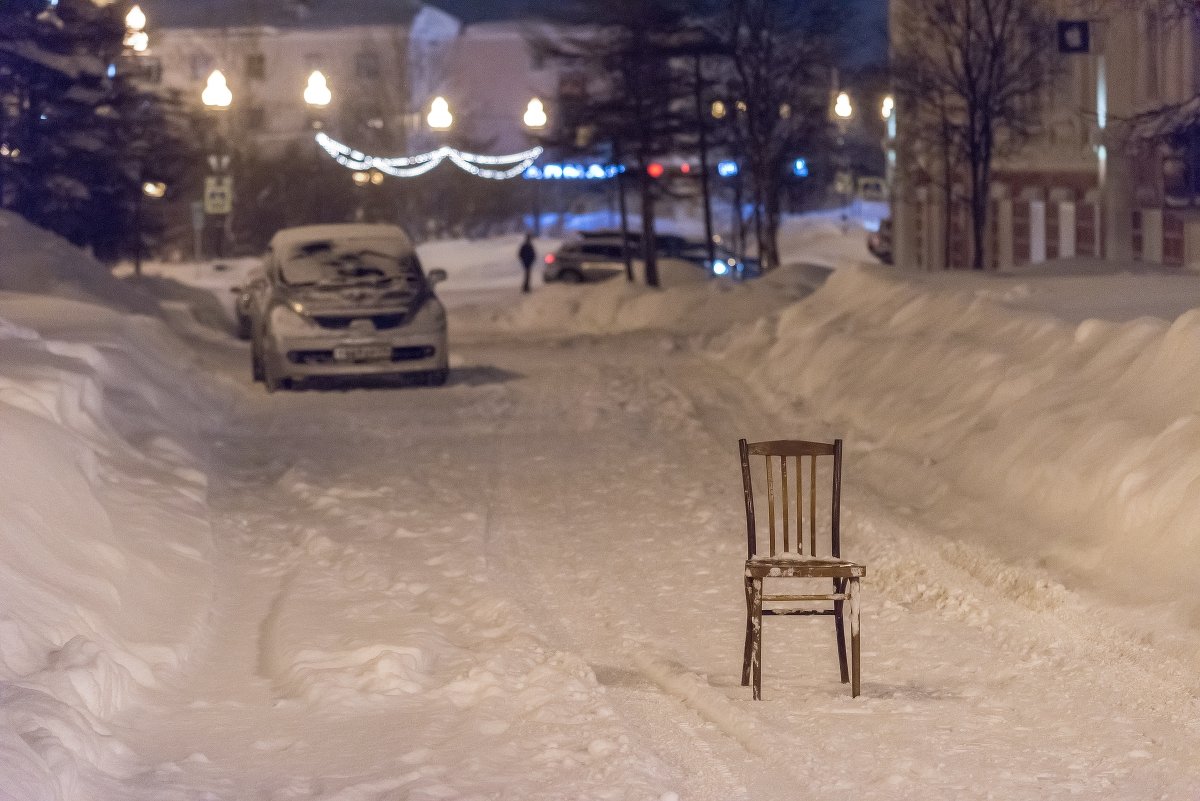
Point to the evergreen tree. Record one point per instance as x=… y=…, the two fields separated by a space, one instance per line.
x=79 y=132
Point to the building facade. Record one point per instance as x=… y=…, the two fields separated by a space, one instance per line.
x=1113 y=170
x=383 y=62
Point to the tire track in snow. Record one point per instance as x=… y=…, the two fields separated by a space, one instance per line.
x=642 y=707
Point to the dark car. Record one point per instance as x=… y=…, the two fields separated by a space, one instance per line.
x=598 y=255
x=591 y=259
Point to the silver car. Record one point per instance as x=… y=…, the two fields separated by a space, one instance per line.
x=344 y=301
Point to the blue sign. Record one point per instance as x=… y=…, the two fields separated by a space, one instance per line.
x=727 y=169
x=571 y=172
x=800 y=168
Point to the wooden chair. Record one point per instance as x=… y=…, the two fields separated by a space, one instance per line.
x=788 y=559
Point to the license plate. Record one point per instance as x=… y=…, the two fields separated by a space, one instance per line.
x=362 y=353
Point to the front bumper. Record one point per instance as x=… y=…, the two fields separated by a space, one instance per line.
x=302 y=357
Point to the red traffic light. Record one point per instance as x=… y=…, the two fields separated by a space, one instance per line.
x=655 y=170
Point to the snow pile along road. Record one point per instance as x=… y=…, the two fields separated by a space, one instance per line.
x=1087 y=433
x=105 y=580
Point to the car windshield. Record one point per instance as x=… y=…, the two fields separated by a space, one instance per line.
x=329 y=262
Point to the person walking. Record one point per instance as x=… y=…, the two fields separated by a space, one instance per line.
x=526 y=254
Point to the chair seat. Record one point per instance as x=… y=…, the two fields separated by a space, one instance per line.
x=793 y=565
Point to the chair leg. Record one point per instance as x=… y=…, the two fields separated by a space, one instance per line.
x=856 y=683
x=749 y=649
x=754 y=599
x=839 y=586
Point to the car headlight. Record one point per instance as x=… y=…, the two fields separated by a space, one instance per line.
x=286 y=320
x=719 y=267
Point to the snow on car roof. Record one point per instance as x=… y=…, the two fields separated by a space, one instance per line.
x=288 y=239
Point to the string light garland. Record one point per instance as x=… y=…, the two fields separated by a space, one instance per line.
x=496 y=168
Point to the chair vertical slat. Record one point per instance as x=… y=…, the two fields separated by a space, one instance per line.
x=799 y=505
x=836 y=513
x=784 y=487
x=748 y=491
x=812 y=505
x=771 y=503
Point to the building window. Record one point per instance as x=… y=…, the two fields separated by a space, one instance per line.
x=1151 y=56
x=256 y=66
x=201 y=65
x=366 y=65
x=254 y=118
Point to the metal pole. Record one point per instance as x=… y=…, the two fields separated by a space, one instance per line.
x=704 y=187
x=137 y=222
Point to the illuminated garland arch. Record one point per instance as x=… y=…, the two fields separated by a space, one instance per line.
x=496 y=168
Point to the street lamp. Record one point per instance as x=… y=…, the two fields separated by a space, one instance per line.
x=535 y=115
x=440 y=118
x=218 y=186
x=317 y=93
x=843 y=112
x=889 y=107
x=842 y=108
x=318 y=97
x=535 y=119
x=216 y=94
x=136 y=38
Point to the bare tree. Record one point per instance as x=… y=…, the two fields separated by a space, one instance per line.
x=778 y=92
x=970 y=75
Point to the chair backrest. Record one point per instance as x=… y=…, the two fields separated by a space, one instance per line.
x=785 y=493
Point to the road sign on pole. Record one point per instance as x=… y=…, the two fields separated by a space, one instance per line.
x=218 y=194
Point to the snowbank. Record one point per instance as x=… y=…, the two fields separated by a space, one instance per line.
x=616 y=306
x=1088 y=431
x=105 y=580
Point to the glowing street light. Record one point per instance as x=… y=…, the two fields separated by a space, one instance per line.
x=889 y=107
x=317 y=93
x=135 y=20
x=535 y=115
x=440 y=118
x=216 y=92
x=842 y=108
x=718 y=109
x=136 y=37
x=155 y=189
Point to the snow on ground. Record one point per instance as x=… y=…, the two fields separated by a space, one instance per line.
x=526 y=585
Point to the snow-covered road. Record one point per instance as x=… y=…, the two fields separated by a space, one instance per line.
x=527 y=585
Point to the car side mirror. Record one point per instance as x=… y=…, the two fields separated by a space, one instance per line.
x=436 y=276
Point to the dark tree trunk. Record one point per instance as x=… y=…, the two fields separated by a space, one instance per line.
x=626 y=255
x=649 y=246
